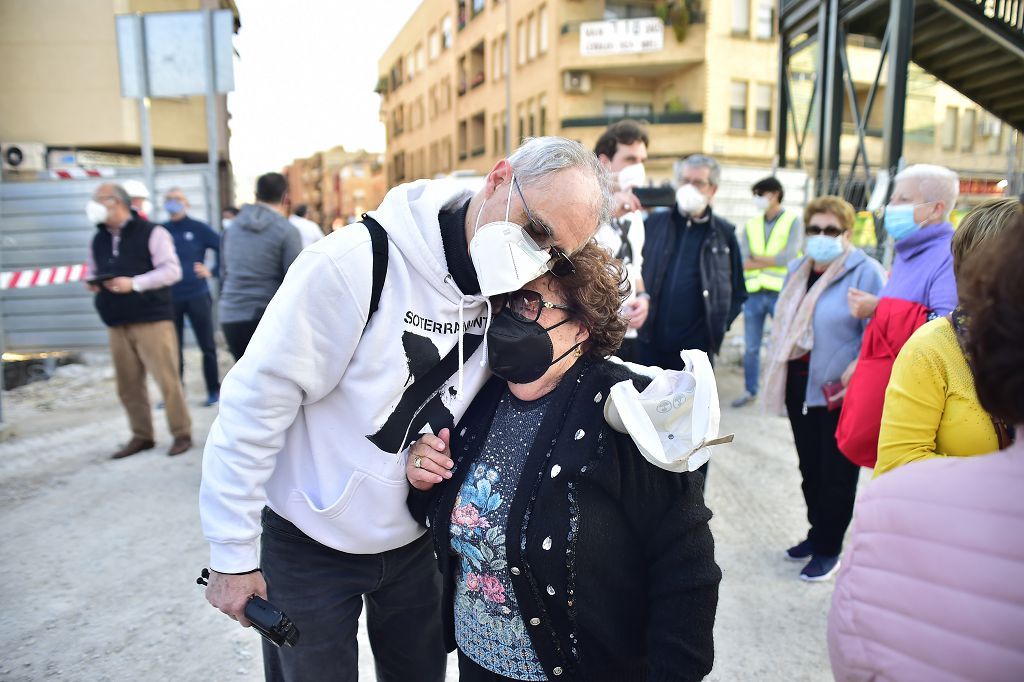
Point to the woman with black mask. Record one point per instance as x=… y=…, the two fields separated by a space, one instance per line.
x=566 y=554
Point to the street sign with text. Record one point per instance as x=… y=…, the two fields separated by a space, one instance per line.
x=622 y=36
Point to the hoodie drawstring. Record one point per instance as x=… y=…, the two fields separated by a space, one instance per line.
x=463 y=298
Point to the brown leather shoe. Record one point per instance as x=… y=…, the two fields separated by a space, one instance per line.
x=134 y=446
x=180 y=445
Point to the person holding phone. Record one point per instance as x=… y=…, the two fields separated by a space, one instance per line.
x=131 y=267
x=815 y=344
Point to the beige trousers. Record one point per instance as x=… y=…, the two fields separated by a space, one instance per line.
x=149 y=347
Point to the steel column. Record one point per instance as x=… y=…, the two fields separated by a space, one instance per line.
x=830 y=109
x=901 y=28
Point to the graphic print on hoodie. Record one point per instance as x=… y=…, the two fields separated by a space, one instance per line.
x=425 y=402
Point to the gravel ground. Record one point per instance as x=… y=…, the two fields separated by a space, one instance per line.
x=101 y=556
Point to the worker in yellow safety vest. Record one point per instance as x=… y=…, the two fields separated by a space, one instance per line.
x=767 y=243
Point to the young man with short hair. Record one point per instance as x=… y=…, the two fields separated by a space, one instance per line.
x=768 y=242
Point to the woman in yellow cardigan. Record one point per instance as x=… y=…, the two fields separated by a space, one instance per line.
x=931 y=407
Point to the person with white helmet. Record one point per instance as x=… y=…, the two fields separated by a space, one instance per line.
x=140 y=197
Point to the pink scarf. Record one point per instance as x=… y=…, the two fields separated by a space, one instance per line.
x=793 y=327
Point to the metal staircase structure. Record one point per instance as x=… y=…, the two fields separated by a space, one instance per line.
x=974 y=46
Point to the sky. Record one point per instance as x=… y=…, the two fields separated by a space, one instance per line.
x=304 y=80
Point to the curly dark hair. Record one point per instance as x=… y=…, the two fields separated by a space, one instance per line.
x=596 y=292
x=992 y=294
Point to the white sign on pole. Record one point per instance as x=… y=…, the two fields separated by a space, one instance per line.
x=622 y=36
x=173 y=45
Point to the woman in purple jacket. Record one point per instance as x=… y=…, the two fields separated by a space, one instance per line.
x=917 y=218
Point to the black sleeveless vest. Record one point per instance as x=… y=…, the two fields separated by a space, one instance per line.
x=133 y=258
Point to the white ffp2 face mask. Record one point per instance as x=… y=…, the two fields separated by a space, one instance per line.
x=96 y=212
x=761 y=203
x=504 y=255
x=690 y=200
x=632 y=176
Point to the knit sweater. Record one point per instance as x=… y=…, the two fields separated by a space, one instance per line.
x=612 y=564
x=931 y=406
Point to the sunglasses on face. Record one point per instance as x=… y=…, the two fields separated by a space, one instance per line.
x=526 y=305
x=560 y=264
x=830 y=231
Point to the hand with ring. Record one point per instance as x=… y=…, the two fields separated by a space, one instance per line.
x=429 y=460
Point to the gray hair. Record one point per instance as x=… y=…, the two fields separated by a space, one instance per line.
x=121 y=194
x=540 y=157
x=936 y=183
x=699 y=161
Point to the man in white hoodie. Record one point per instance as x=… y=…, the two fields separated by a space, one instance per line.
x=316 y=417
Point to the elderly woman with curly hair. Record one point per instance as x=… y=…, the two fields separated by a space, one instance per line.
x=565 y=554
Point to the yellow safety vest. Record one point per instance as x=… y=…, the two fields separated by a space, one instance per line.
x=768 y=279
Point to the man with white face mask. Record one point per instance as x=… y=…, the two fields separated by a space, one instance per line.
x=692 y=269
x=768 y=242
x=622 y=150
x=130 y=269
x=303 y=497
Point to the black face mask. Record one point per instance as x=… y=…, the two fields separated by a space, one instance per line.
x=519 y=351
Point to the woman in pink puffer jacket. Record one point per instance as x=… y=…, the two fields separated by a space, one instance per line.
x=932 y=585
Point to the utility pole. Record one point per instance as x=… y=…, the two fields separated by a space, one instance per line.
x=507 y=68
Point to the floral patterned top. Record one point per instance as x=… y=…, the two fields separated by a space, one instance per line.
x=489 y=628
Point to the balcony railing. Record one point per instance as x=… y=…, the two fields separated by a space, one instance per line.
x=655 y=119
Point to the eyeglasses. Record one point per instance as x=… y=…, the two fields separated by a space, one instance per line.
x=698 y=184
x=526 y=305
x=560 y=265
x=830 y=231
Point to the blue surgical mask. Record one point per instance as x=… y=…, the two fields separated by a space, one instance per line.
x=173 y=207
x=824 y=249
x=899 y=221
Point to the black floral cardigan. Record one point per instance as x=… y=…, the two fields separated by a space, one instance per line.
x=613 y=567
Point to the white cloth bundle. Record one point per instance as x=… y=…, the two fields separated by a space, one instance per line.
x=674 y=421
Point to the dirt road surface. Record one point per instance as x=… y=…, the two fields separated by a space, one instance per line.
x=100 y=557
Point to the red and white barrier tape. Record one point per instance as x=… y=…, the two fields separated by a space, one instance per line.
x=80 y=173
x=41 y=277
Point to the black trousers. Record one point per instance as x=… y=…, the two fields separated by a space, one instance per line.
x=238 y=335
x=829 y=479
x=469 y=671
x=199 y=310
x=322 y=591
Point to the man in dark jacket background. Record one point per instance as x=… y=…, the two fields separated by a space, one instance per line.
x=692 y=270
x=255 y=254
x=191 y=296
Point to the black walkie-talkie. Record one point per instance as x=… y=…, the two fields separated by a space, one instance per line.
x=268 y=620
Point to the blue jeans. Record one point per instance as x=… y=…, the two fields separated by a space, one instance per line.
x=756 y=308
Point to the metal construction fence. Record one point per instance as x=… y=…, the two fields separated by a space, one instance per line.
x=44 y=236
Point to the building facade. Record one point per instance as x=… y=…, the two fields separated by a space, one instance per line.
x=702 y=74
x=336 y=185
x=62 y=89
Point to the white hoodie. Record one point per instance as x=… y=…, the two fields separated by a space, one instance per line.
x=298 y=410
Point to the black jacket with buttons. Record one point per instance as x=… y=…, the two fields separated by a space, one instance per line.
x=629 y=555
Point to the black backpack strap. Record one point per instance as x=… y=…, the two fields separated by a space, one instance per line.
x=379 y=246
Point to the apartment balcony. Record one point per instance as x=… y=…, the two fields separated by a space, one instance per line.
x=643 y=47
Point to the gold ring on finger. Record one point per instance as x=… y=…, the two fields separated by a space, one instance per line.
x=417 y=462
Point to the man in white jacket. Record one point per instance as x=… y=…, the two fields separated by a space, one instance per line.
x=316 y=417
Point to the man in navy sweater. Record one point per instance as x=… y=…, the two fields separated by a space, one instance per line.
x=191 y=296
